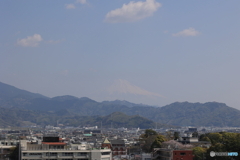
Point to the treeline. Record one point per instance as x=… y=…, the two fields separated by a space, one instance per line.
x=220 y=142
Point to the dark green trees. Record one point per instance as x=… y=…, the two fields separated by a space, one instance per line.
x=222 y=142
x=151 y=139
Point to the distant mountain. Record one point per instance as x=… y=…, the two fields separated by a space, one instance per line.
x=122 y=120
x=7 y=91
x=11 y=96
x=179 y=113
x=115 y=120
x=123 y=103
x=198 y=114
x=20 y=117
x=64 y=98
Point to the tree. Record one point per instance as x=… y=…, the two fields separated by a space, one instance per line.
x=148 y=143
x=195 y=134
x=169 y=135
x=150 y=132
x=222 y=142
x=158 y=141
x=202 y=136
x=231 y=141
x=176 y=135
x=215 y=138
x=199 y=153
x=218 y=147
x=205 y=139
x=151 y=139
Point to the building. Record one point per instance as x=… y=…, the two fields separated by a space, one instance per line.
x=183 y=155
x=171 y=154
x=6 y=147
x=52 y=149
x=162 y=154
x=194 y=141
x=117 y=146
x=188 y=140
x=192 y=130
x=106 y=144
x=5 y=151
x=173 y=150
x=146 y=156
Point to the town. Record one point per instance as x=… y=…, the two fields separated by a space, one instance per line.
x=94 y=143
x=119 y=80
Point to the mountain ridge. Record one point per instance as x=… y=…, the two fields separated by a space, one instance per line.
x=16 y=117
x=177 y=113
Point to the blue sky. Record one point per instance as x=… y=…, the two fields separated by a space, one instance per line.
x=152 y=52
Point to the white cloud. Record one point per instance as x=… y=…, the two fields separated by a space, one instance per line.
x=132 y=11
x=81 y=1
x=30 y=41
x=187 y=32
x=123 y=86
x=70 y=6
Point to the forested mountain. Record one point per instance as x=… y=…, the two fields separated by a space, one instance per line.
x=115 y=120
x=11 y=96
x=21 y=117
x=8 y=91
x=179 y=113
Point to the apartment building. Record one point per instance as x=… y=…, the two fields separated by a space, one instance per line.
x=61 y=151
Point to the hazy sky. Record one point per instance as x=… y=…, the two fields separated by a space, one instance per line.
x=152 y=52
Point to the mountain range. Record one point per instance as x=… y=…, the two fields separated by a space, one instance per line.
x=70 y=107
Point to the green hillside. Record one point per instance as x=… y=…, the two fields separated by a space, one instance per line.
x=178 y=114
x=16 y=117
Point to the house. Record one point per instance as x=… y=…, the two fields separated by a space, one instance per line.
x=173 y=150
x=183 y=155
x=117 y=146
x=171 y=154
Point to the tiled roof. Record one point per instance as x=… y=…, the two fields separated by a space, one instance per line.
x=117 y=141
x=54 y=143
x=106 y=141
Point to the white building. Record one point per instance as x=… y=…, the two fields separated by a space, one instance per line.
x=62 y=151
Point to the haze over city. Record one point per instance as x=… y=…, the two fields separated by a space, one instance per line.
x=152 y=52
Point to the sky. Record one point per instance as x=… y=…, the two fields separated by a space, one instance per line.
x=153 y=52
